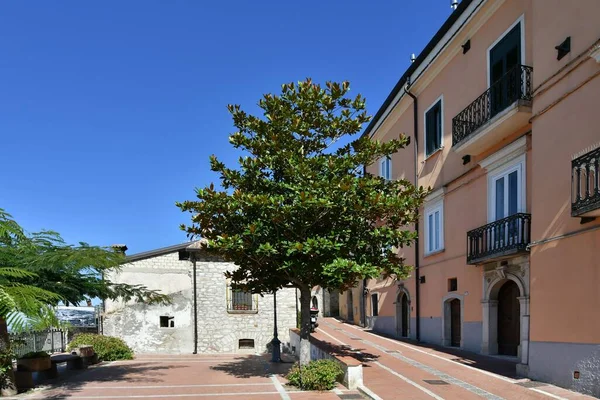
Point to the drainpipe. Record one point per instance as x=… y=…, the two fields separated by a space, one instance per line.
x=193 y=256
x=364 y=303
x=416 y=146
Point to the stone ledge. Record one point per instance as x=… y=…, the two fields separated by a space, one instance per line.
x=319 y=349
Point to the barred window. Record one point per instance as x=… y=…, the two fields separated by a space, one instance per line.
x=241 y=300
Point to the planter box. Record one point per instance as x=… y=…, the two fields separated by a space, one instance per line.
x=34 y=364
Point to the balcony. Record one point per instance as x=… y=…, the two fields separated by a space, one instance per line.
x=501 y=110
x=500 y=239
x=585 y=182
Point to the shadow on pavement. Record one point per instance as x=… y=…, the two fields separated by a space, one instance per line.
x=69 y=383
x=499 y=366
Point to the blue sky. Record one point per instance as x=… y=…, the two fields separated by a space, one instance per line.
x=109 y=110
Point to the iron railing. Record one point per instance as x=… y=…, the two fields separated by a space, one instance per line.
x=512 y=86
x=585 y=182
x=242 y=301
x=502 y=237
x=49 y=340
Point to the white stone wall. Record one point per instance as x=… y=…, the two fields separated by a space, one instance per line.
x=139 y=324
x=218 y=330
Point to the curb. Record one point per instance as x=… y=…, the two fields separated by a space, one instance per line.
x=368 y=392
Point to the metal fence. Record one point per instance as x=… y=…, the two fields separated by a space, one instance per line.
x=49 y=340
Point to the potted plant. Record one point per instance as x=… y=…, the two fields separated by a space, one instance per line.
x=34 y=361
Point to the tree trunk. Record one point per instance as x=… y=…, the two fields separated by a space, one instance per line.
x=305 y=326
x=7 y=379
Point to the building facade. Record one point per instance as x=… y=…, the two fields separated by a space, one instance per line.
x=506 y=136
x=227 y=320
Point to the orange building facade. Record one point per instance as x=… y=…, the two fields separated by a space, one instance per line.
x=507 y=134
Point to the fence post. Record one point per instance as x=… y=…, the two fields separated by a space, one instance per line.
x=62 y=341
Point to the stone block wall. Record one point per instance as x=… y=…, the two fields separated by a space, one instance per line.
x=219 y=330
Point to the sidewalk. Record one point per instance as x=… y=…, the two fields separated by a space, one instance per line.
x=399 y=370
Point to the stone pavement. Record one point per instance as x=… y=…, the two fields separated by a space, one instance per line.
x=394 y=369
x=183 y=376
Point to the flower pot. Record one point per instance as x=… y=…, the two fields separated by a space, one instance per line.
x=34 y=364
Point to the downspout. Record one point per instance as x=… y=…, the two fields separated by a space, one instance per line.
x=193 y=256
x=417 y=271
x=364 y=285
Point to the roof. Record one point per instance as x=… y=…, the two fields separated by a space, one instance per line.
x=158 y=252
x=417 y=63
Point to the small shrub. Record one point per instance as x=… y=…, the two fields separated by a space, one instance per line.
x=317 y=375
x=107 y=348
x=35 y=354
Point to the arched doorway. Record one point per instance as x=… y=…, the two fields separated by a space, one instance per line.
x=314 y=303
x=455 y=324
x=350 y=306
x=508 y=319
x=402 y=315
x=452 y=320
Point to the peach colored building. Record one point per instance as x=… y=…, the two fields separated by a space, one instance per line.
x=507 y=103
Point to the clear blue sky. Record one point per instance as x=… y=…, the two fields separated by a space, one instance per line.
x=109 y=110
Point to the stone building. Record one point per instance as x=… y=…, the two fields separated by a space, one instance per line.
x=227 y=320
x=326 y=301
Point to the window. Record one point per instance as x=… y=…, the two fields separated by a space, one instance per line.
x=241 y=300
x=375 y=304
x=246 y=344
x=167 y=322
x=434 y=127
x=434 y=227
x=506 y=191
x=385 y=168
x=452 y=284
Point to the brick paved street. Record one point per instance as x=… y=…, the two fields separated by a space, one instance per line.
x=182 y=376
x=397 y=370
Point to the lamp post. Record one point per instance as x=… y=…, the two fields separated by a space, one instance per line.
x=276 y=343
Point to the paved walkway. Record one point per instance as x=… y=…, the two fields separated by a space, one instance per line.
x=183 y=376
x=393 y=369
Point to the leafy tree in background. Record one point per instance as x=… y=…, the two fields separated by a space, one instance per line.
x=39 y=270
x=294 y=212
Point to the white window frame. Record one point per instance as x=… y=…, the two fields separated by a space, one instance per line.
x=431 y=209
x=520 y=20
x=441 y=100
x=382 y=170
x=517 y=164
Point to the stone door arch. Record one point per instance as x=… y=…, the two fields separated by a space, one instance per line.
x=403 y=313
x=496 y=286
x=453 y=317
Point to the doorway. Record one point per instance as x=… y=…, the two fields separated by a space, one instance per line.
x=350 y=306
x=455 y=333
x=402 y=315
x=508 y=319
x=505 y=58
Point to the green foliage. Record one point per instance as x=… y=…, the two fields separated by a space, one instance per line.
x=107 y=348
x=317 y=375
x=297 y=212
x=35 y=354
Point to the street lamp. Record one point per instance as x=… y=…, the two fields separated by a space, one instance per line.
x=275 y=343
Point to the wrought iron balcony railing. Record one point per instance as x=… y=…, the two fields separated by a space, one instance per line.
x=500 y=238
x=585 y=183
x=512 y=86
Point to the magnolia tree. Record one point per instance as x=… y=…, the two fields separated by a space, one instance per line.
x=294 y=211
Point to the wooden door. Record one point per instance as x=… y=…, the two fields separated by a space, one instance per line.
x=405 y=316
x=455 y=323
x=508 y=319
x=350 y=306
x=505 y=56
